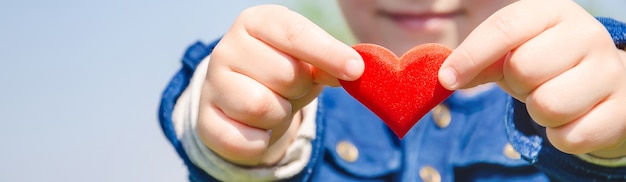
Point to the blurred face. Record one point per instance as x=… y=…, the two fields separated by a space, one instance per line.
x=402 y=24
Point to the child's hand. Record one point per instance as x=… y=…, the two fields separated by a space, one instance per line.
x=270 y=64
x=561 y=62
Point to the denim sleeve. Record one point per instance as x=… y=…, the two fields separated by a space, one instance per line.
x=617 y=30
x=530 y=140
x=193 y=56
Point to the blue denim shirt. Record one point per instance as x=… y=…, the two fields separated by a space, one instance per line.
x=472 y=147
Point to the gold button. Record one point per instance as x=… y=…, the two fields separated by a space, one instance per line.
x=510 y=152
x=441 y=115
x=347 y=151
x=430 y=174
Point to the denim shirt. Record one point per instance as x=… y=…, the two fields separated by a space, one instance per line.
x=486 y=137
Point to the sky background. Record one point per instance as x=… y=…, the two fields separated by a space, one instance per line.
x=80 y=83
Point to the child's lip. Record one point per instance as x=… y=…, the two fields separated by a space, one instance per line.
x=418 y=20
x=417 y=15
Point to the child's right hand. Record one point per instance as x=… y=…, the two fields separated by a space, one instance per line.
x=270 y=64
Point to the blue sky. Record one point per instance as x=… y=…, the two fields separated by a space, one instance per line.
x=81 y=81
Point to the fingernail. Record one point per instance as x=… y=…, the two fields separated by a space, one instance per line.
x=354 y=69
x=447 y=76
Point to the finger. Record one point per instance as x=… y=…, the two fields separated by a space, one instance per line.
x=493 y=73
x=278 y=71
x=240 y=143
x=230 y=139
x=280 y=139
x=320 y=76
x=603 y=128
x=539 y=60
x=243 y=99
x=295 y=35
x=299 y=103
x=496 y=36
x=574 y=92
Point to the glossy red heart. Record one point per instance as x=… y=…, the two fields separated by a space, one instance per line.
x=399 y=91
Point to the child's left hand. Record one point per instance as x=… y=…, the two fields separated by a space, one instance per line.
x=561 y=62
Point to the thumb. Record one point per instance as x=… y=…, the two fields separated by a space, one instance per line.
x=480 y=55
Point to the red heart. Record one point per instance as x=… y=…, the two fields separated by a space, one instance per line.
x=399 y=91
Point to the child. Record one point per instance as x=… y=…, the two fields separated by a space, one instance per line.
x=541 y=87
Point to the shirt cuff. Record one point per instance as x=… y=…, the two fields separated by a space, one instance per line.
x=613 y=162
x=530 y=140
x=185 y=117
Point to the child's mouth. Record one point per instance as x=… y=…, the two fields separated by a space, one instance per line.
x=419 y=21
